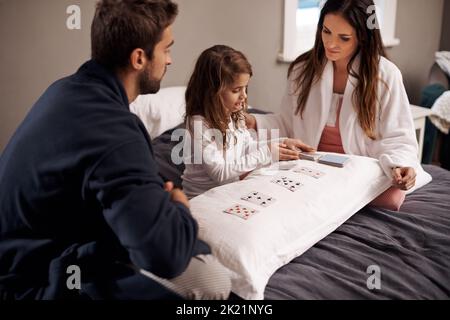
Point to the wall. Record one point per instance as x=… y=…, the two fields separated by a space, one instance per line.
x=256 y=29
x=253 y=26
x=37 y=48
x=445 y=37
x=419 y=30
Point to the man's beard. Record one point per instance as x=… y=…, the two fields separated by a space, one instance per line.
x=147 y=84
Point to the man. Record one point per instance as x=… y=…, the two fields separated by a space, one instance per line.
x=80 y=194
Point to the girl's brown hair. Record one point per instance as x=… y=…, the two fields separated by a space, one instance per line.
x=215 y=71
x=311 y=64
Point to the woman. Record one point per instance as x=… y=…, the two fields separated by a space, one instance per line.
x=345 y=96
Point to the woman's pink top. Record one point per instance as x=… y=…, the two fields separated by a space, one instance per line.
x=331 y=141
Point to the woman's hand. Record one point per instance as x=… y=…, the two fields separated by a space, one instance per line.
x=297 y=145
x=404 y=178
x=250 y=121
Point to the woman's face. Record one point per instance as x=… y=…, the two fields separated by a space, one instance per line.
x=235 y=95
x=338 y=37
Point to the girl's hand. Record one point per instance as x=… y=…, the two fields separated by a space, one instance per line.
x=297 y=145
x=404 y=178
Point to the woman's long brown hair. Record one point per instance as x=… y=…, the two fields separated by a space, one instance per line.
x=216 y=69
x=311 y=64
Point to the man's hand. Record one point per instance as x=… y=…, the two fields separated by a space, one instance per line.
x=168 y=186
x=250 y=121
x=176 y=194
x=404 y=178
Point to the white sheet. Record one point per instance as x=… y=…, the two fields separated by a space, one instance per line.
x=254 y=249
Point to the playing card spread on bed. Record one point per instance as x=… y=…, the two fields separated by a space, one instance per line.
x=241 y=211
x=259 y=198
x=334 y=160
x=312 y=156
x=310 y=172
x=288 y=183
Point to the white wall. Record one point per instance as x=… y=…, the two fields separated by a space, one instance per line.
x=251 y=26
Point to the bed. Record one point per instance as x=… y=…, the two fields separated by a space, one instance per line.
x=376 y=254
x=410 y=248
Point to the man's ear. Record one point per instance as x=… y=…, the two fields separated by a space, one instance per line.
x=138 y=59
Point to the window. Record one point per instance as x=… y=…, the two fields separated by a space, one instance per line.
x=300 y=24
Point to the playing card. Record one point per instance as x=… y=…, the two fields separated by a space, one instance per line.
x=310 y=172
x=334 y=160
x=259 y=198
x=290 y=184
x=312 y=156
x=241 y=211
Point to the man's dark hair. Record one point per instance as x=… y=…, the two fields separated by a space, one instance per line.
x=120 y=26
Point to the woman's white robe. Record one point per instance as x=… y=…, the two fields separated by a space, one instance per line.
x=396 y=145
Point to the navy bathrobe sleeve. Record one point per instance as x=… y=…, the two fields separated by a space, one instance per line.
x=158 y=233
x=79 y=186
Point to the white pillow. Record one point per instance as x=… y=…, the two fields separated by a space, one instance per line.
x=254 y=249
x=160 y=111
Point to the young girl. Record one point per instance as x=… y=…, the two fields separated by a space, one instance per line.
x=345 y=96
x=219 y=148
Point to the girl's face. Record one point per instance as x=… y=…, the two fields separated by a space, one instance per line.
x=235 y=95
x=338 y=37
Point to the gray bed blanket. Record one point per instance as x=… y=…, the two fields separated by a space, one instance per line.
x=379 y=254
